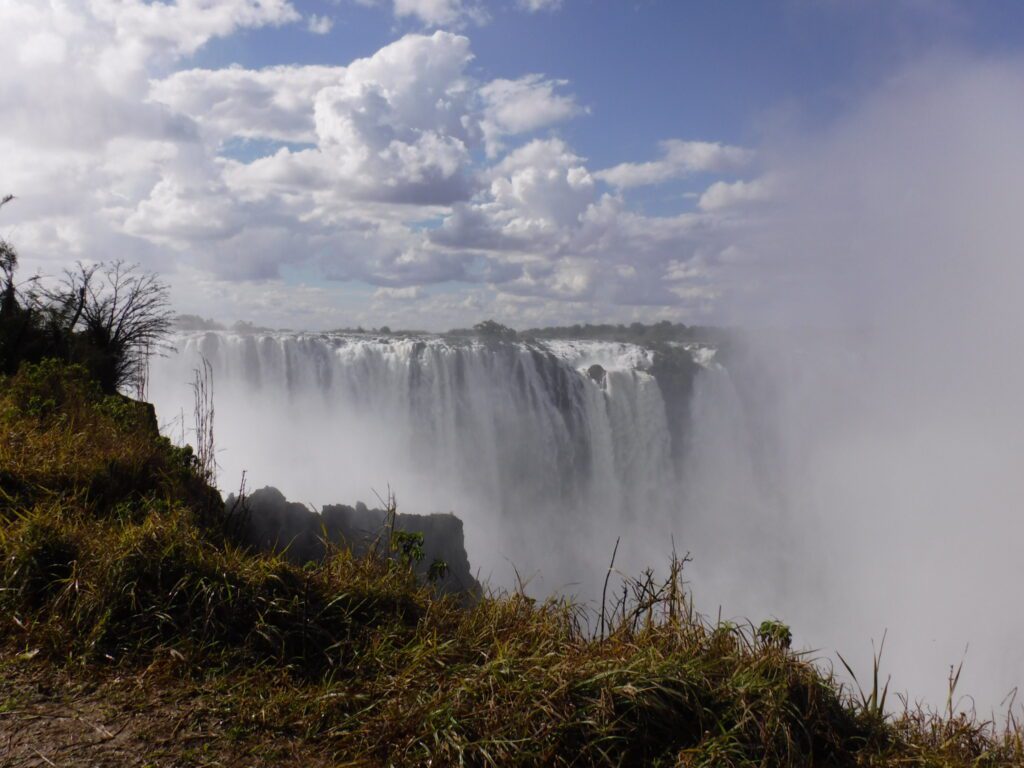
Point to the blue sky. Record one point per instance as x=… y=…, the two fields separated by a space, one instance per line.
x=578 y=160
x=648 y=69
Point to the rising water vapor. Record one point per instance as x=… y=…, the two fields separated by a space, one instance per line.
x=874 y=477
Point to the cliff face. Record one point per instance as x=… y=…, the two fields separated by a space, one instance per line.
x=269 y=522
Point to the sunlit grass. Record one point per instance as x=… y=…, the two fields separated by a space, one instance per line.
x=115 y=556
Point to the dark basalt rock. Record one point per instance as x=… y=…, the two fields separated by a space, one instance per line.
x=597 y=373
x=675 y=370
x=268 y=522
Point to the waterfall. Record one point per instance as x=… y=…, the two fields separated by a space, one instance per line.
x=546 y=450
x=781 y=465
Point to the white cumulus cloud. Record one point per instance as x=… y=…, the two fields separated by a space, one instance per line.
x=725 y=194
x=523 y=105
x=398 y=170
x=679 y=158
x=270 y=103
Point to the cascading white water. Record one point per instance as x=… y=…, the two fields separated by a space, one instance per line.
x=545 y=458
x=758 y=467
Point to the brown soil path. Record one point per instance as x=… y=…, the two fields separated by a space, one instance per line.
x=48 y=719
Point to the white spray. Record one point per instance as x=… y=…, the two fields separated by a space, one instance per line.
x=881 y=455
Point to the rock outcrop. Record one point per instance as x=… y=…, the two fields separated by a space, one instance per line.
x=269 y=522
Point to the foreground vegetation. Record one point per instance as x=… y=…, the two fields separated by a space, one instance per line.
x=128 y=608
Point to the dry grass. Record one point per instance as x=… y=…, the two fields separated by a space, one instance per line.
x=115 y=565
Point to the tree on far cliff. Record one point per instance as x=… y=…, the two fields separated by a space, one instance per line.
x=492 y=330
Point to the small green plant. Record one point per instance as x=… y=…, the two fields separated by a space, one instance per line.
x=182 y=456
x=437 y=571
x=123 y=410
x=46 y=388
x=872 y=702
x=409 y=546
x=775 y=634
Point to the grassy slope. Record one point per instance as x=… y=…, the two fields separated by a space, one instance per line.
x=133 y=632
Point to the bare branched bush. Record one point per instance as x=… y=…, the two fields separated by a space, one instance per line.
x=110 y=318
x=126 y=317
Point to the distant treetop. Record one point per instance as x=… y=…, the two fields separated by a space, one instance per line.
x=635 y=333
x=490 y=329
x=196 y=323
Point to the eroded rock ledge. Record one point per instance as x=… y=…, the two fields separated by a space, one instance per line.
x=271 y=523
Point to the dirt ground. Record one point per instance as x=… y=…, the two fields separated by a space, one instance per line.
x=49 y=718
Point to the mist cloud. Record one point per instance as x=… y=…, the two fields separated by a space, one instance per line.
x=874 y=471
